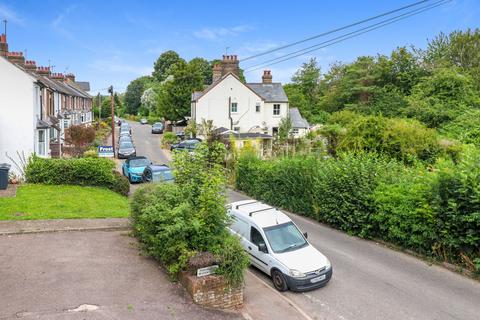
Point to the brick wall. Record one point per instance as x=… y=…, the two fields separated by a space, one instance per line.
x=212 y=291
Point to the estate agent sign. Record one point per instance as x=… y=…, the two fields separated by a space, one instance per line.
x=105 y=151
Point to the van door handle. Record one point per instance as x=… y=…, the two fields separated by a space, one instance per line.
x=249 y=248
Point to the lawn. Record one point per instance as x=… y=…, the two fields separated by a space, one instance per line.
x=37 y=201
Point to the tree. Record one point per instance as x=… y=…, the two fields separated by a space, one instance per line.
x=285 y=128
x=175 y=94
x=107 y=106
x=134 y=93
x=204 y=67
x=161 y=68
x=149 y=100
x=80 y=137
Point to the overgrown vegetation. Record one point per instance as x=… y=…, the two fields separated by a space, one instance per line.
x=433 y=211
x=174 y=222
x=98 y=172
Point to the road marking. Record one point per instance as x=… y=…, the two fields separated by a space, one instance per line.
x=290 y=302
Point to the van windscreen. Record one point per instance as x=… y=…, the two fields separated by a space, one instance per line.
x=284 y=237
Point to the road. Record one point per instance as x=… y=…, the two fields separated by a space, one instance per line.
x=369 y=281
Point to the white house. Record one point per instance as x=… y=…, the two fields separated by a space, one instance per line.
x=238 y=106
x=36 y=106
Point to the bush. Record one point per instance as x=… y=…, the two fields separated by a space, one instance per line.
x=79 y=171
x=120 y=184
x=175 y=222
x=168 y=139
x=91 y=153
x=434 y=212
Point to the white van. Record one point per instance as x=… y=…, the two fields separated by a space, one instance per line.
x=277 y=247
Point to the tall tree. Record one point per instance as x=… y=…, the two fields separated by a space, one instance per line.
x=134 y=92
x=175 y=95
x=204 y=67
x=161 y=67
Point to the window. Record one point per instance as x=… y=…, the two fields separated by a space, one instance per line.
x=234 y=107
x=256 y=237
x=257 y=107
x=237 y=129
x=276 y=109
x=295 y=131
x=284 y=237
x=41 y=143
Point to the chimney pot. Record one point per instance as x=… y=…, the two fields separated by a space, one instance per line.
x=267 y=76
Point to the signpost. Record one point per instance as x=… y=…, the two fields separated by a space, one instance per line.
x=206 y=271
x=106 y=151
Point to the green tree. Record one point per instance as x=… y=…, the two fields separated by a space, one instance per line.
x=175 y=94
x=204 y=67
x=161 y=67
x=133 y=94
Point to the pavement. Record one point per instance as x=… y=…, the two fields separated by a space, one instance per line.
x=370 y=281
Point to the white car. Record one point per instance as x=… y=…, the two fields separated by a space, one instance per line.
x=277 y=247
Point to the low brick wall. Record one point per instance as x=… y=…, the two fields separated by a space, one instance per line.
x=212 y=291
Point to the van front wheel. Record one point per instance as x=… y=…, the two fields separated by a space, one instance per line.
x=279 y=281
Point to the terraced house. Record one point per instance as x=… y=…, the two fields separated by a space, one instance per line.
x=36 y=106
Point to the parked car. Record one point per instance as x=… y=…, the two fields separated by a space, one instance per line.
x=125 y=129
x=133 y=168
x=126 y=150
x=180 y=135
x=143 y=121
x=188 y=145
x=158 y=173
x=157 y=127
x=125 y=138
x=125 y=134
x=277 y=247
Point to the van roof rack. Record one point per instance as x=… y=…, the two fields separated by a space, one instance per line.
x=264 y=209
x=244 y=204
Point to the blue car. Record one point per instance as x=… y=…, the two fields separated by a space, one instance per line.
x=158 y=173
x=133 y=168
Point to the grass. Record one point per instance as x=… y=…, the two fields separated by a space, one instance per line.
x=37 y=201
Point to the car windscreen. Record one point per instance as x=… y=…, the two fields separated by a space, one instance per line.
x=162 y=175
x=158 y=125
x=284 y=237
x=139 y=162
x=126 y=145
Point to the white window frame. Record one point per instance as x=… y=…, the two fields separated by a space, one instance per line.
x=275 y=111
x=236 y=107
x=42 y=132
x=258 y=107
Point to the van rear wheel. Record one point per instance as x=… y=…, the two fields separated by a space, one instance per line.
x=279 y=281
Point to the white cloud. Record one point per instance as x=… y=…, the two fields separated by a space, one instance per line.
x=58 y=23
x=210 y=33
x=10 y=15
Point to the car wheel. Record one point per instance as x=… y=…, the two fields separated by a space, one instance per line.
x=279 y=281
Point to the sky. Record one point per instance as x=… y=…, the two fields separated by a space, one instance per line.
x=113 y=42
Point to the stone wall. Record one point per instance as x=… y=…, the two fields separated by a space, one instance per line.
x=212 y=291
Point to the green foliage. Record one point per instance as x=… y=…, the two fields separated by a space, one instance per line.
x=133 y=94
x=465 y=127
x=175 y=221
x=442 y=97
x=285 y=128
x=434 y=212
x=81 y=171
x=168 y=139
x=162 y=67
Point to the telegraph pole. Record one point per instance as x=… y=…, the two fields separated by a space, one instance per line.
x=99 y=108
x=112 y=103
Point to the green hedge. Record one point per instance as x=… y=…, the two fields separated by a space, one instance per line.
x=79 y=171
x=434 y=212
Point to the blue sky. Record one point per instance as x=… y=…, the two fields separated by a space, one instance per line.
x=113 y=42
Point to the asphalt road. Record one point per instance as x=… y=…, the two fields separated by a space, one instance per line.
x=369 y=280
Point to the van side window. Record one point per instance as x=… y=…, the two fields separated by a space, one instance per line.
x=256 y=237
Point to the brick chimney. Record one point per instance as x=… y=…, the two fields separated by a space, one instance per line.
x=70 y=77
x=3 y=45
x=30 y=65
x=57 y=76
x=267 y=76
x=16 y=57
x=228 y=64
x=44 y=71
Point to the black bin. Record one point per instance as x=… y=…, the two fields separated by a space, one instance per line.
x=4 y=168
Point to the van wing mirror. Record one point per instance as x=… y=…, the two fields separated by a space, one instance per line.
x=305 y=235
x=262 y=247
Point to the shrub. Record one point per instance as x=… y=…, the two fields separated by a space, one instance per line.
x=80 y=137
x=91 y=153
x=120 y=184
x=79 y=171
x=232 y=265
x=168 y=139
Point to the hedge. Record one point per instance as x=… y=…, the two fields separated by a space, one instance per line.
x=435 y=212
x=78 y=171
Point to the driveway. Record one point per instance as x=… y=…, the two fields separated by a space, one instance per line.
x=88 y=275
x=370 y=281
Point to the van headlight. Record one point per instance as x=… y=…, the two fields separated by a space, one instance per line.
x=328 y=265
x=296 y=274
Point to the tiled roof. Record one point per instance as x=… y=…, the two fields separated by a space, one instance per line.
x=84 y=85
x=270 y=92
x=297 y=120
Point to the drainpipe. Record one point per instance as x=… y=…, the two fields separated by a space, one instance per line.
x=230 y=112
